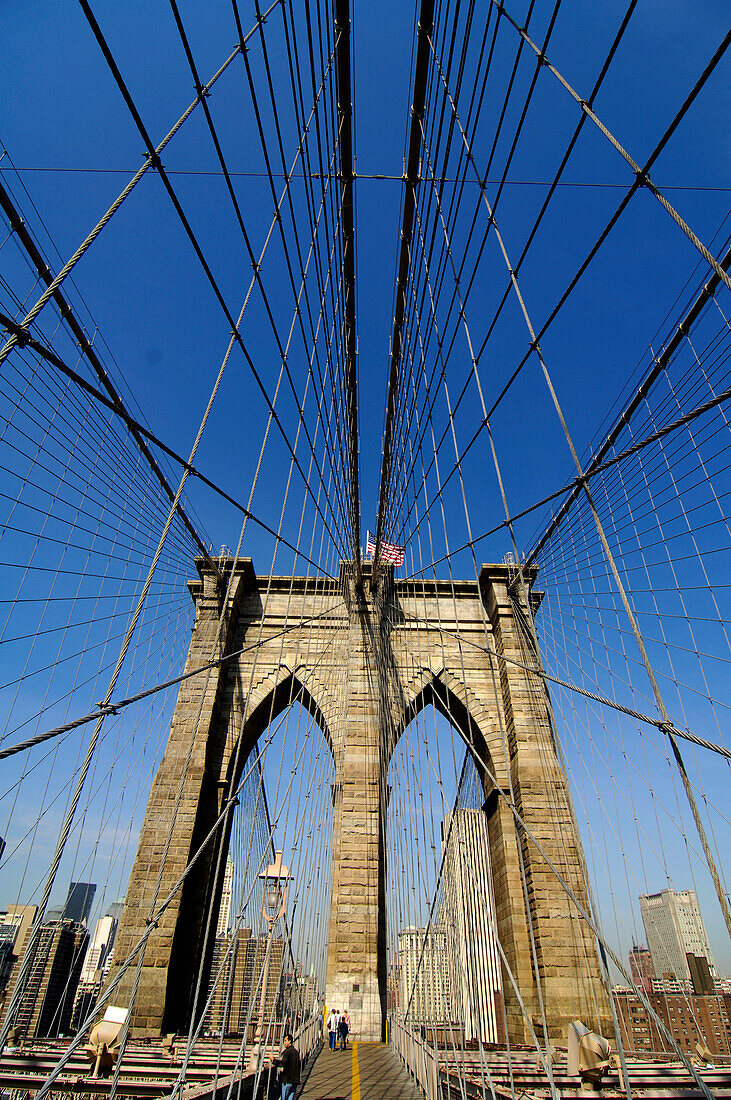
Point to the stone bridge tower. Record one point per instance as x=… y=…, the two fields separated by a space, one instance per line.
x=364 y=663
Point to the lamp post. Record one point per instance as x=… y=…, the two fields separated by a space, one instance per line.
x=275 y=880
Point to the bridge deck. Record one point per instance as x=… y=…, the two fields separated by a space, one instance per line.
x=365 y=1071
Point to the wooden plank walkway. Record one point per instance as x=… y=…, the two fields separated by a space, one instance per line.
x=365 y=1071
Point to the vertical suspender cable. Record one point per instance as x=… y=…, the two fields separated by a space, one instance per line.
x=426 y=20
x=345 y=148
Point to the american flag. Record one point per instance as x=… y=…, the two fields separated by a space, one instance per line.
x=390 y=552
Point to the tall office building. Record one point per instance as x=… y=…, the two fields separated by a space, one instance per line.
x=677 y=939
x=14 y=927
x=641 y=968
x=424 y=974
x=115 y=909
x=224 y=912
x=95 y=968
x=236 y=982
x=467 y=918
x=78 y=902
x=99 y=950
x=49 y=990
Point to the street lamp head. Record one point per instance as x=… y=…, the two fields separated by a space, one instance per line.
x=275 y=870
x=275 y=882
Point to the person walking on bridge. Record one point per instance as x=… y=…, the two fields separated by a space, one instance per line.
x=343 y=1029
x=289 y=1063
x=332 y=1027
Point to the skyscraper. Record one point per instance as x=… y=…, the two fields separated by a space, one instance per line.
x=237 y=995
x=641 y=968
x=14 y=927
x=99 y=949
x=424 y=976
x=78 y=902
x=224 y=911
x=677 y=938
x=49 y=990
x=467 y=918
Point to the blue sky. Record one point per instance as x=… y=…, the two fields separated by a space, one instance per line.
x=68 y=133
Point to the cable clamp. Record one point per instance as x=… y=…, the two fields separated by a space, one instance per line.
x=154 y=159
x=152 y=923
x=642 y=177
x=534 y=345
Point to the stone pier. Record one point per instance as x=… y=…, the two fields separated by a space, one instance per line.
x=364 y=663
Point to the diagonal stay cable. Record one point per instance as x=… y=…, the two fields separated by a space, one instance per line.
x=26 y=340
x=574 y=486
x=18 y=339
x=705 y=295
x=597 y=465
x=227 y=176
x=235 y=334
x=641 y=174
x=680 y=114
x=152 y=158
x=113 y=708
x=659 y=364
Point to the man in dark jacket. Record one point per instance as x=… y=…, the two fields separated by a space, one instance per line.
x=290 y=1065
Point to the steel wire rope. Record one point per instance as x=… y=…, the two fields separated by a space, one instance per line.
x=61 y=792
x=236 y=337
x=298 y=98
x=554 y=183
x=335 y=217
x=234 y=201
x=47 y=354
x=263 y=143
x=455 y=468
x=668 y=133
x=46 y=604
x=438 y=279
x=528 y=912
x=704 y=295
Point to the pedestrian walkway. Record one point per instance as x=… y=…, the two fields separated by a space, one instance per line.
x=365 y=1071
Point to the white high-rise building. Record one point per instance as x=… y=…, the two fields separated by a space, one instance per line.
x=423 y=976
x=468 y=919
x=674 y=928
x=99 y=949
x=224 y=913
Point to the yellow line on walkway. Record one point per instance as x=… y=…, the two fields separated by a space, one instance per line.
x=355 y=1093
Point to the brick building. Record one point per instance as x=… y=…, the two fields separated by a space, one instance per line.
x=689 y=1018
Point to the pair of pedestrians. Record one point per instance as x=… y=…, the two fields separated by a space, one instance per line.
x=338 y=1027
